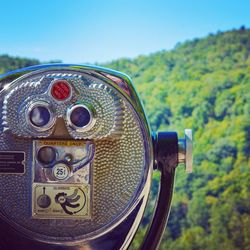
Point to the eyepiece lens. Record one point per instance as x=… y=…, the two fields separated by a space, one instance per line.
x=40 y=116
x=80 y=117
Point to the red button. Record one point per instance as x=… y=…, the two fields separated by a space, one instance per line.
x=61 y=90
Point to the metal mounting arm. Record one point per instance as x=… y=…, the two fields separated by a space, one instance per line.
x=169 y=152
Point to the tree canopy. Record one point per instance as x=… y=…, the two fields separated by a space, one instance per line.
x=203 y=84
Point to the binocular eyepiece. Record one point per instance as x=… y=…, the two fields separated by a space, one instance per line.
x=76 y=160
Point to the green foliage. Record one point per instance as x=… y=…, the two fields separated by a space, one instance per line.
x=8 y=63
x=202 y=84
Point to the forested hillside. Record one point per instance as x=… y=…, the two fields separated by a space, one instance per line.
x=203 y=84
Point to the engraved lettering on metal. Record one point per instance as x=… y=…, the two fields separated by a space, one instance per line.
x=12 y=162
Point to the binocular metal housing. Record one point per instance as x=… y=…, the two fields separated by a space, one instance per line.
x=76 y=160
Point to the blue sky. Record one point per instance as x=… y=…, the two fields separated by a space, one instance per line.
x=79 y=31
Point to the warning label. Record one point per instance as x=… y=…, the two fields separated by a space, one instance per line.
x=12 y=162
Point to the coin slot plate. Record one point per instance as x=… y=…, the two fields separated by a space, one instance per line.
x=67 y=197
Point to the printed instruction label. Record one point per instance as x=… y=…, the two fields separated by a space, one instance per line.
x=12 y=162
x=61 y=201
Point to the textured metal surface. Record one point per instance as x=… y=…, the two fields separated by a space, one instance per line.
x=117 y=80
x=108 y=106
x=119 y=168
x=118 y=238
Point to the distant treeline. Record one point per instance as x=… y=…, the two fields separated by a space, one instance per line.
x=8 y=63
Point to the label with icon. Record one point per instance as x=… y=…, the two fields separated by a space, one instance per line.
x=61 y=201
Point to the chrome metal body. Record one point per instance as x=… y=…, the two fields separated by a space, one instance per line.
x=120 y=233
x=185 y=154
x=164 y=151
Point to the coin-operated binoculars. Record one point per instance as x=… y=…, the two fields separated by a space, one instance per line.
x=76 y=160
